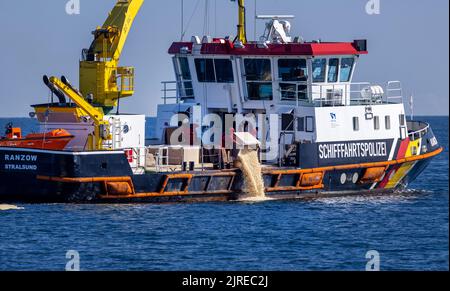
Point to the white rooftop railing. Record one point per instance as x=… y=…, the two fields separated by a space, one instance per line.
x=317 y=94
x=341 y=94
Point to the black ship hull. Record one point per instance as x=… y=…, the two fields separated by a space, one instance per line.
x=35 y=176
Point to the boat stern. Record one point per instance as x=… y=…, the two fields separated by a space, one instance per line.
x=421 y=134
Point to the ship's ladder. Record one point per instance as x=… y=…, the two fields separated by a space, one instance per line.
x=117 y=133
x=116 y=141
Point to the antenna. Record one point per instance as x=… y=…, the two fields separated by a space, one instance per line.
x=254 y=24
x=182 y=20
x=411 y=106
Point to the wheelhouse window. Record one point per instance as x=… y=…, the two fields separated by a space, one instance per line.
x=184 y=68
x=186 y=78
x=293 y=74
x=333 y=69
x=319 y=67
x=346 y=69
x=258 y=74
x=205 y=70
x=224 y=71
x=214 y=70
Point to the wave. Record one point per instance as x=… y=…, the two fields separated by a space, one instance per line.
x=4 y=207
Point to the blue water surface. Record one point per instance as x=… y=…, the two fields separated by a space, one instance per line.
x=410 y=231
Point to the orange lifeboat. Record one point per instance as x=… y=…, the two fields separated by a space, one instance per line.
x=54 y=140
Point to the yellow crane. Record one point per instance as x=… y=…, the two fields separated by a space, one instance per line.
x=102 y=81
x=101 y=78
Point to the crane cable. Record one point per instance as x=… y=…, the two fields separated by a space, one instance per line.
x=206 y=19
x=190 y=19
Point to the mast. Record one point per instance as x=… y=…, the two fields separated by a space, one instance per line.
x=242 y=34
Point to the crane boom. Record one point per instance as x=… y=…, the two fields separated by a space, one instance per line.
x=114 y=31
x=100 y=75
x=101 y=127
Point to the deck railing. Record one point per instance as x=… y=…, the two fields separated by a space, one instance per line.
x=340 y=94
x=417 y=129
x=319 y=95
x=125 y=77
x=172 y=91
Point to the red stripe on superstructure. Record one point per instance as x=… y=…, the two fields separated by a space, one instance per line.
x=346 y=48
x=175 y=48
x=226 y=47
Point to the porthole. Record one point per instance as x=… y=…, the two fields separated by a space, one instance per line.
x=355 y=178
x=126 y=129
x=343 y=178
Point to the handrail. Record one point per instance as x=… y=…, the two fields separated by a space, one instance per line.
x=419 y=133
x=340 y=94
x=171 y=90
x=316 y=94
x=125 y=77
x=394 y=87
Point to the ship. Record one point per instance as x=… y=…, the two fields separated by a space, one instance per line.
x=278 y=117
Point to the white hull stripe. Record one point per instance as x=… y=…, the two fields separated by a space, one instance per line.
x=394 y=146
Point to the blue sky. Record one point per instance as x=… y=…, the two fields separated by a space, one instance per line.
x=408 y=41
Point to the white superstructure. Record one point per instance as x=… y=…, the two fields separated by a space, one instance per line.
x=307 y=85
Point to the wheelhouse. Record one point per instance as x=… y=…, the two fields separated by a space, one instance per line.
x=249 y=78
